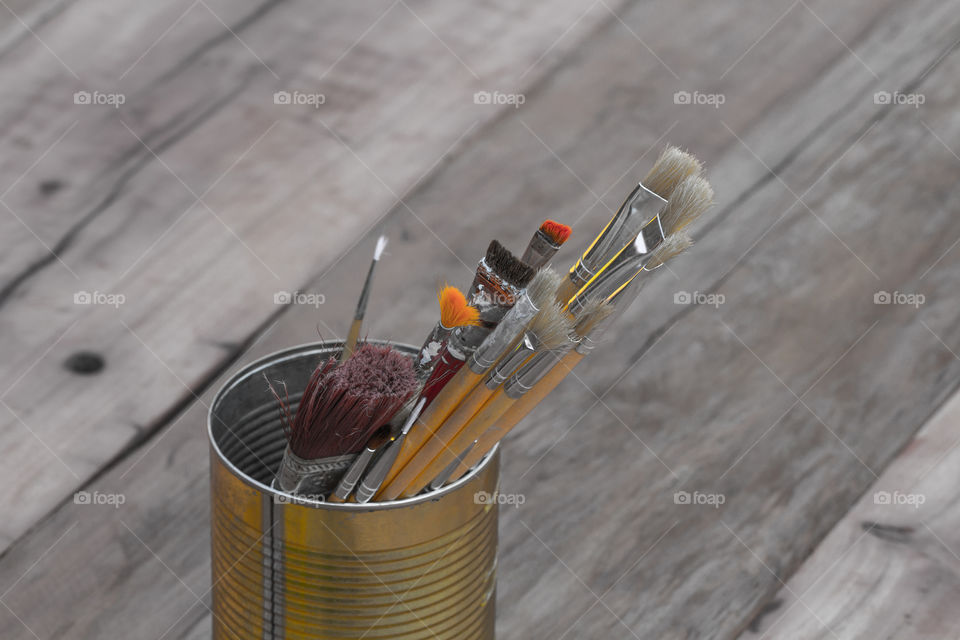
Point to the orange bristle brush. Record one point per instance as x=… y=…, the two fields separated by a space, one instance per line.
x=545 y=243
x=454 y=312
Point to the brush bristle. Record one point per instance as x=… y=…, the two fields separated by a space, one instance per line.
x=672 y=246
x=508 y=266
x=454 y=310
x=343 y=405
x=556 y=231
x=551 y=326
x=689 y=201
x=672 y=167
x=381 y=245
x=594 y=312
x=543 y=288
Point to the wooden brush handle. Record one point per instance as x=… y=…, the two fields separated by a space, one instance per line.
x=433 y=416
x=350 y=344
x=517 y=412
x=482 y=420
x=442 y=446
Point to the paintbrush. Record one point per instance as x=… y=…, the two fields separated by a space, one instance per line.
x=353 y=335
x=542 y=374
x=350 y=479
x=539 y=294
x=341 y=407
x=500 y=278
x=671 y=168
x=454 y=312
x=545 y=243
x=689 y=201
x=549 y=329
x=378 y=470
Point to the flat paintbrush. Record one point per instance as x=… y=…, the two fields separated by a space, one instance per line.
x=548 y=330
x=593 y=325
x=540 y=293
x=545 y=243
x=670 y=169
x=354 y=334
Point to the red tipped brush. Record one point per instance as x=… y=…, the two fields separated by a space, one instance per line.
x=545 y=243
x=343 y=405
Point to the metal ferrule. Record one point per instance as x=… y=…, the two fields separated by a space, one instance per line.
x=431 y=349
x=313 y=478
x=505 y=334
x=381 y=466
x=622 y=268
x=533 y=371
x=621 y=300
x=352 y=476
x=638 y=208
x=499 y=374
x=540 y=250
x=491 y=295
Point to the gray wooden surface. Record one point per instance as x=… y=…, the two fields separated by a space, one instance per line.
x=199 y=199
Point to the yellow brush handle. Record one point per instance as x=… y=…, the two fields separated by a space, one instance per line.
x=495 y=407
x=434 y=446
x=566 y=290
x=517 y=412
x=350 y=344
x=434 y=415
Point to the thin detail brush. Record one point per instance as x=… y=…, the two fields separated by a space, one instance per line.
x=354 y=334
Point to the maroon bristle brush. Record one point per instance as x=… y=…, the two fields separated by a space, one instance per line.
x=343 y=405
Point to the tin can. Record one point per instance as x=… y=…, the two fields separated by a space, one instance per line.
x=286 y=567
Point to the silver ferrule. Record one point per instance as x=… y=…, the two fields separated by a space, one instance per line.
x=540 y=250
x=533 y=371
x=622 y=268
x=639 y=207
x=504 y=335
x=621 y=300
x=381 y=466
x=311 y=478
x=352 y=476
x=499 y=374
x=430 y=350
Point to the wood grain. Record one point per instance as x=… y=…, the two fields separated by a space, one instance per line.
x=890 y=568
x=600 y=548
x=199 y=198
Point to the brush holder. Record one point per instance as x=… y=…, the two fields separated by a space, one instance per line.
x=294 y=568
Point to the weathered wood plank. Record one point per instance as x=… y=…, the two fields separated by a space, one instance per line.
x=243 y=198
x=697 y=580
x=890 y=568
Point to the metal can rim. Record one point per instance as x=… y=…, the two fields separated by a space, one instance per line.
x=320 y=348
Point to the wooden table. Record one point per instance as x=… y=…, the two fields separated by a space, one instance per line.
x=151 y=160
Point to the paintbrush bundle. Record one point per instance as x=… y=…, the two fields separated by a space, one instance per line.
x=394 y=425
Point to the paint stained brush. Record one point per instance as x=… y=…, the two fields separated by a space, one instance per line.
x=545 y=243
x=539 y=294
x=454 y=312
x=354 y=334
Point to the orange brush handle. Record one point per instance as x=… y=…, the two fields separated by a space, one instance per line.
x=434 y=415
x=517 y=412
x=495 y=407
x=436 y=445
